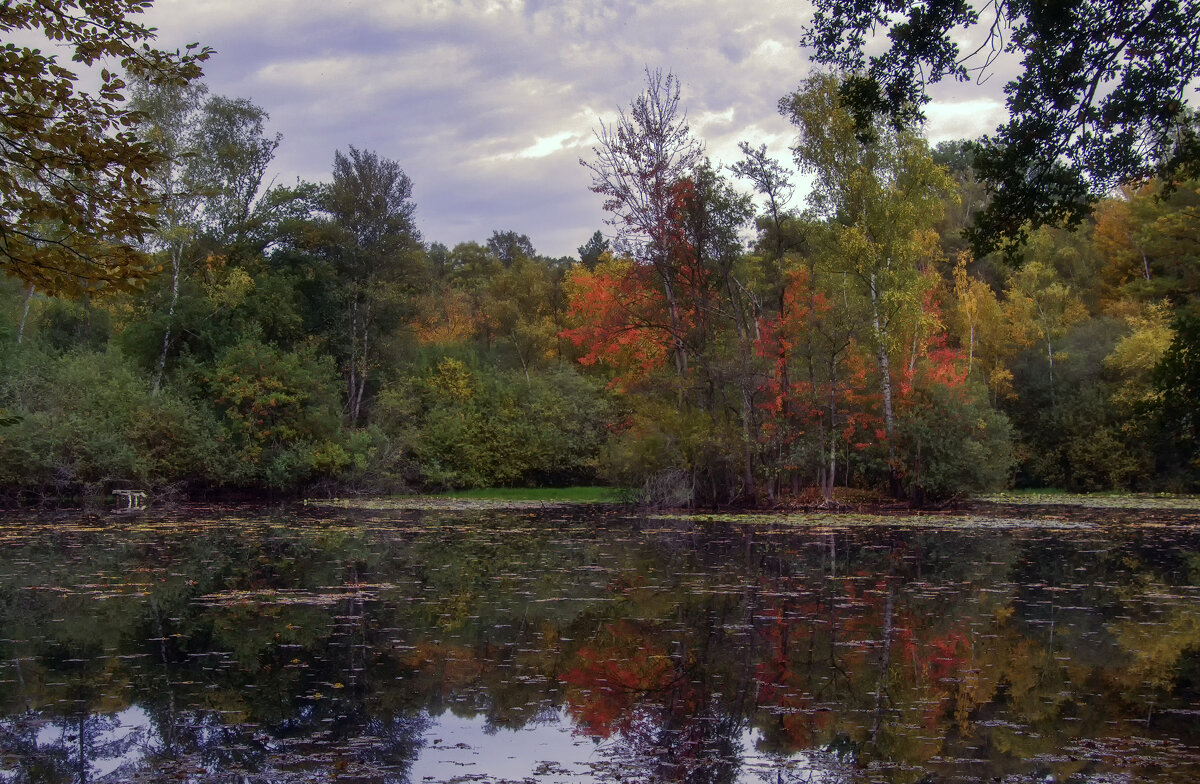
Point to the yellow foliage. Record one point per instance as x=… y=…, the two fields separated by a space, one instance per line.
x=1136 y=355
x=233 y=290
x=444 y=317
x=453 y=379
x=983 y=328
x=1156 y=648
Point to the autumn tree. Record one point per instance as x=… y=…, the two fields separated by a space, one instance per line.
x=638 y=160
x=881 y=197
x=983 y=328
x=709 y=214
x=1043 y=308
x=77 y=198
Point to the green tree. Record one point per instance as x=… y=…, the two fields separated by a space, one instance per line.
x=1098 y=102
x=228 y=162
x=375 y=252
x=591 y=251
x=956 y=444
x=75 y=180
x=1177 y=379
x=166 y=117
x=215 y=154
x=519 y=304
x=508 y=246
x=773 y=182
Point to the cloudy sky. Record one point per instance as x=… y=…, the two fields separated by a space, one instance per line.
x=488 y=105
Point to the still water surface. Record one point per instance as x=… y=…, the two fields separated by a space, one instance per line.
x=598 y=645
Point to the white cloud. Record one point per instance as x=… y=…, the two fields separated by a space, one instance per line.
x=969 y=119
x=488 y=104
x=547 y=145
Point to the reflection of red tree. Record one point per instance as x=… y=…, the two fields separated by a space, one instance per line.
x=610 y=675
x=807 y=642
x=783 y=688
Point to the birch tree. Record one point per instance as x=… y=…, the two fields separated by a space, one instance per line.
x=882 y=197
x=168 y=115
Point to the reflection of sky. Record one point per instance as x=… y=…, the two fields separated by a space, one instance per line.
x=114 y=737
x=457 y=746
x=554 y=750
x=454 y=748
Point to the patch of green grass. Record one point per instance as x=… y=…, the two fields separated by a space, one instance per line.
x=570 y=495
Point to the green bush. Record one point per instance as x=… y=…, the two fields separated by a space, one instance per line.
x=88 y=418
x=281 y=413
x=952 y=443
x=454 y=426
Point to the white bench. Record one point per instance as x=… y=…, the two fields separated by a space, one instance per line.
x=134 y=499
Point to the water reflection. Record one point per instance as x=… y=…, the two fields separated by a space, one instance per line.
x=223 y=645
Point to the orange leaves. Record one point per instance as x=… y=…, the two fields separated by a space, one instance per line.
x=445 y=317
x=610 y=676
x=619 y=319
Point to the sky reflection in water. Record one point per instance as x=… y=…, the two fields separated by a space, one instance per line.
x=597 y=645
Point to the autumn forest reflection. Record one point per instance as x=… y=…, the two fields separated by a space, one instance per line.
x=597 y=645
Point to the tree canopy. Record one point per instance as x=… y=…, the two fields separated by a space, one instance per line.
x=74 y=193
x=1100 y=99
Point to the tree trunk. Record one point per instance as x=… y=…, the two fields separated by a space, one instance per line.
x=360 y=328
x=176 y=264
x=745 y=382
x=24 y=314
x=520 y=355
x=351 y=362
x=971 y=348
x=679 y=348
x=885 y=386
x=831 y=477
x=885 y=662
x=1049 y=344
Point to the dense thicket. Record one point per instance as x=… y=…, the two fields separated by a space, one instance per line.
x=308 y=336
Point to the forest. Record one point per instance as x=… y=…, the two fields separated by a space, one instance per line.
x=730 y=340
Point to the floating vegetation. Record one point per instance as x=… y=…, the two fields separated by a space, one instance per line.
x=285 y=596
x=1096 y=500
x=836 y=520
x=436 y=503
x=596 y=644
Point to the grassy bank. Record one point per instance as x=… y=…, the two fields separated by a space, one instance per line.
x=576 y=495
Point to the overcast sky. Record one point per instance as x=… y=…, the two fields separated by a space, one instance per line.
x=489 y=104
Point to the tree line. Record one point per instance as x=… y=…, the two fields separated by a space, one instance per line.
x=859 y=341
x=727 y=342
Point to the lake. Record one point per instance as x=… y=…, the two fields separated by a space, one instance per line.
x=443 y=642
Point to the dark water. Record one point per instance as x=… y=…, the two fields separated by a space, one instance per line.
x=234 y=646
